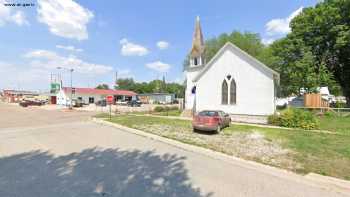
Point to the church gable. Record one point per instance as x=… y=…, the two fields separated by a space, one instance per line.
x=243 y=56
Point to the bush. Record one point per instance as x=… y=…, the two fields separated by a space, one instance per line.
x=330 y=114
x=159 y=109
x=274 y=119
x=340 y=105
x=279 y=107
x=174 y=108
x=295 y=118
x=165 y=108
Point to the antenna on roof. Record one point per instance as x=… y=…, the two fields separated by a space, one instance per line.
x=116 y=77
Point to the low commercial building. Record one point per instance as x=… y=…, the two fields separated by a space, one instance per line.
x=15 y=96
x=157 y=98
x=91 y=95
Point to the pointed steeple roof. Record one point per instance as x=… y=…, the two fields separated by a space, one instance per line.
x=198 y=40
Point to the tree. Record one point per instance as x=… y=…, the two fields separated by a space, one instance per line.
x=154 y=86
x=125 y=84
x=102 y=87
x=175 y=88
x=297 y=67
x=325 y=29
x=247 y=41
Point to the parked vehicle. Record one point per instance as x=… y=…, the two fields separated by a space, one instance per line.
x=134 y=103
x=26 y=103
x=214 y=120
x=121 y=102
x=101 y=103
x=77 y=103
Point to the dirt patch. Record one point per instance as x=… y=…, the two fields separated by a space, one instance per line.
x=248 y=145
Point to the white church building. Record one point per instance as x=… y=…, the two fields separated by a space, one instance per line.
x=232 y=81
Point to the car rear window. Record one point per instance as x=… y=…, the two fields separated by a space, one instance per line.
x=208 y=113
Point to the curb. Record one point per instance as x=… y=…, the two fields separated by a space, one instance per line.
x=314 y=180
x=337 y=183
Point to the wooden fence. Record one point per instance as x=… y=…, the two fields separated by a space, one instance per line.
x=315 y=101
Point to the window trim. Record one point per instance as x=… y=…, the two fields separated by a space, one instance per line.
x=226 y=101
x=229 y=81
x=233 y=82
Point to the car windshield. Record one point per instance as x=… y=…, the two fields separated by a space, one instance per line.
x=208 y=113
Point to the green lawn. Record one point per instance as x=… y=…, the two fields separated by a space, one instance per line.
x=326 y=154
x=322 y=153
x=336 y=124
x=163 y=113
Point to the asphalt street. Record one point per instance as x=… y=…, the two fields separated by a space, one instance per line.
x=64 y=154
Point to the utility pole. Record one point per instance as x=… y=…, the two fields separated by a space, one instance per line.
x=71 y=88
x=116 y=80
x=71 y=85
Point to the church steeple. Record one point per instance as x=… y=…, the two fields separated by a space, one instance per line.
x=198 y=48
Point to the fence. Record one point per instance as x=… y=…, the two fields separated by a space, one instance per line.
x=339 y=111
x=315 y=101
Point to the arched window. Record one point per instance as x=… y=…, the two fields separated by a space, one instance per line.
x=233 y=92
x=193 y=90
x=224 y=93
x=195 y=61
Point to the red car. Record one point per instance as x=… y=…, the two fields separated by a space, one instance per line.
x=211 y=120
x=26 y=103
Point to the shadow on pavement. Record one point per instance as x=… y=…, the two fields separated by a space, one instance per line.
x=95 y=172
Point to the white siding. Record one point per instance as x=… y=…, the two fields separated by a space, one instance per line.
x=190 y=75
x=255 y=86
x=64 y=98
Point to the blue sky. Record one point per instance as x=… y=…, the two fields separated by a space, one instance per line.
x=140 y=39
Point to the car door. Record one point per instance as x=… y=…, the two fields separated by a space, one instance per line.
x=222 y=118
x=226 y=118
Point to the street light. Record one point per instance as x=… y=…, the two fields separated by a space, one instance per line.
x=71 y=83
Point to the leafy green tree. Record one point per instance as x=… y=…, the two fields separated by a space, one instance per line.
x=247 y=41
x=297 y=67
x=325 y=29
x=176 y=89
x=102 y=87
x=125 y=84
x=154 y=86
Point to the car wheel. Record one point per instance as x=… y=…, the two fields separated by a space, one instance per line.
x=218 y=129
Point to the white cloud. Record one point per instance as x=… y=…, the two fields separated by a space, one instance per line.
x=267 y=41
x=132 y=49
x=179 y=80
x=9 y=15
x=125 y=73
x=281 y=25
x=158 y=66
x=65 y=18
x=51 y=60
x=22 y=77
x=69 y=48
x=162 y=45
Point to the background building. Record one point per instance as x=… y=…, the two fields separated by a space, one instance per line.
x=157 y=98
x=91 y=95
x=14 y=96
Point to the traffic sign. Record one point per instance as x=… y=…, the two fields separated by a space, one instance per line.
x=109 y=99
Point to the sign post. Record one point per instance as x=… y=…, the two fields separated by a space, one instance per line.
x=109 y=100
